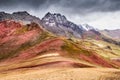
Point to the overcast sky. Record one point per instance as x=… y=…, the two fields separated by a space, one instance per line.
x=102 y=14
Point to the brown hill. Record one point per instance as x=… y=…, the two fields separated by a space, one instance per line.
x=20 y=42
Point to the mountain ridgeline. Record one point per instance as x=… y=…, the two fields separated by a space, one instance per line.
x=55 y=23
x=26 y=42
x=59 y=25
x=19 y=16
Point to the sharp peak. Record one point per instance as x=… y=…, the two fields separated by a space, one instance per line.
x=54 y=14
x=49 y=13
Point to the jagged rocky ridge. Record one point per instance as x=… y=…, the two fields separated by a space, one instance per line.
x=58 y=25
x=87 y=27
x=19 y=16
x=55 y=23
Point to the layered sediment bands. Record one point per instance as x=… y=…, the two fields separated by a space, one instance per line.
x=29 y=47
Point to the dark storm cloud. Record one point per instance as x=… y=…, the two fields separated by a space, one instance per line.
x=99 y=13
x=32 y=3
x=92 y=5
x=69 y=5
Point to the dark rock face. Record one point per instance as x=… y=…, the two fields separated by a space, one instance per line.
x=58 y=24
x=19 y=16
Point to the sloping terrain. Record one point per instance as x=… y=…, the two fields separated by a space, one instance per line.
x=30 y=42
x=15 y=37
x=27 y=47
x=23 y=16
x=62 y=74
x=59 y=25
x=115 y=34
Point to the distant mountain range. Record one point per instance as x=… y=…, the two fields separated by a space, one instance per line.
x=26 y=42
x=60 y=26
x=19 y=16
x=112 y=33
x=55 y=23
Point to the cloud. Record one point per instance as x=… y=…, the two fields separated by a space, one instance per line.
x=70 y=5
x=95 y=12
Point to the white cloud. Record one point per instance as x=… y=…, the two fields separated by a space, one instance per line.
x=100 y=20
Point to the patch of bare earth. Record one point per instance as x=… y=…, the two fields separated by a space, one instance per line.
x=62 y=74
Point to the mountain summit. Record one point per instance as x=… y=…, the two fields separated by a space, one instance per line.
x=58 y=24
x=27 y=51
x=88 y=27
x=23 y=16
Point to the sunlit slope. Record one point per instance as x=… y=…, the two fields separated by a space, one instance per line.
x=29 y=46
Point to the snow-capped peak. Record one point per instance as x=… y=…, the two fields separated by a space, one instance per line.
x=88 y=27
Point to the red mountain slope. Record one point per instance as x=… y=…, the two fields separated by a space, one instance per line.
x=27 y=46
